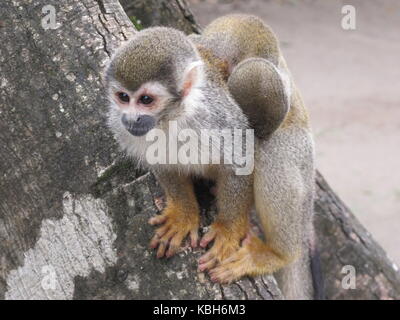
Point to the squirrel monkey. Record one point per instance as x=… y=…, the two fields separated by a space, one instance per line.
x=232 y=76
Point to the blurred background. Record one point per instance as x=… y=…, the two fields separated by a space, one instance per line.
x=350 y=81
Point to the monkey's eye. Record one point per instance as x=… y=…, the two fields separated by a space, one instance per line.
x=145 y=99
x=123 y=97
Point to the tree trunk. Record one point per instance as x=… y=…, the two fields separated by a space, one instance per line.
x=344 y=242
x=73 y=211
x=169 y=13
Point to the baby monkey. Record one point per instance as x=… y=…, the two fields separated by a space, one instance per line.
x=234 y=77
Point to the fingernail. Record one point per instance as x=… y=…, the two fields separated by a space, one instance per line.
x=153 y=244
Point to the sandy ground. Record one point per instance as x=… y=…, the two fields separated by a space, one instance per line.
x=350 y=81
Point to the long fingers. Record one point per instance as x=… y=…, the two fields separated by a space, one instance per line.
x=207 y=238
x=157 y=219
x=175 y=244
x=207 y=265
x=164 y=243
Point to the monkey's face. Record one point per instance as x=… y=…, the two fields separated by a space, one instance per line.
x=150 y=77
x=153 y=103
x=142 y=109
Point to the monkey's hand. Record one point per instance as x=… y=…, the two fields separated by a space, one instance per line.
x=226 y=239
x=253 y=258
x=177 y=222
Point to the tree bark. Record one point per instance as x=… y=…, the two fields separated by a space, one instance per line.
x=169 y=13
x=73 y=210
x=73 y=215
x=342 y=242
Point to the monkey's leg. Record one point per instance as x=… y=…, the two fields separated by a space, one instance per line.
x=283 y=188
x=234 y=200
x=180 y=217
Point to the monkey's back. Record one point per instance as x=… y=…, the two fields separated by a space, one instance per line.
x=230 y=39
x=238 y=36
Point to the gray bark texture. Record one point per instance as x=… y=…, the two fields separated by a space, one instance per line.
x=74 y=211
x=169 y=13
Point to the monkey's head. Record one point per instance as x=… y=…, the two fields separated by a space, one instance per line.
x=150 y=77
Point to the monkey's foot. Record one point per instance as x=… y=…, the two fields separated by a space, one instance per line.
x=176 y=225
x=253 y=258
x=226 y=242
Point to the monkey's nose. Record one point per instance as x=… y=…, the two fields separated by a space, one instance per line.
x=131 y=120
x=139 y=125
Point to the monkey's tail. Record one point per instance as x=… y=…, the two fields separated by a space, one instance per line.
x=302 y=279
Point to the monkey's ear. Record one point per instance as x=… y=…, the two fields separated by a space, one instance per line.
x=192 y=77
